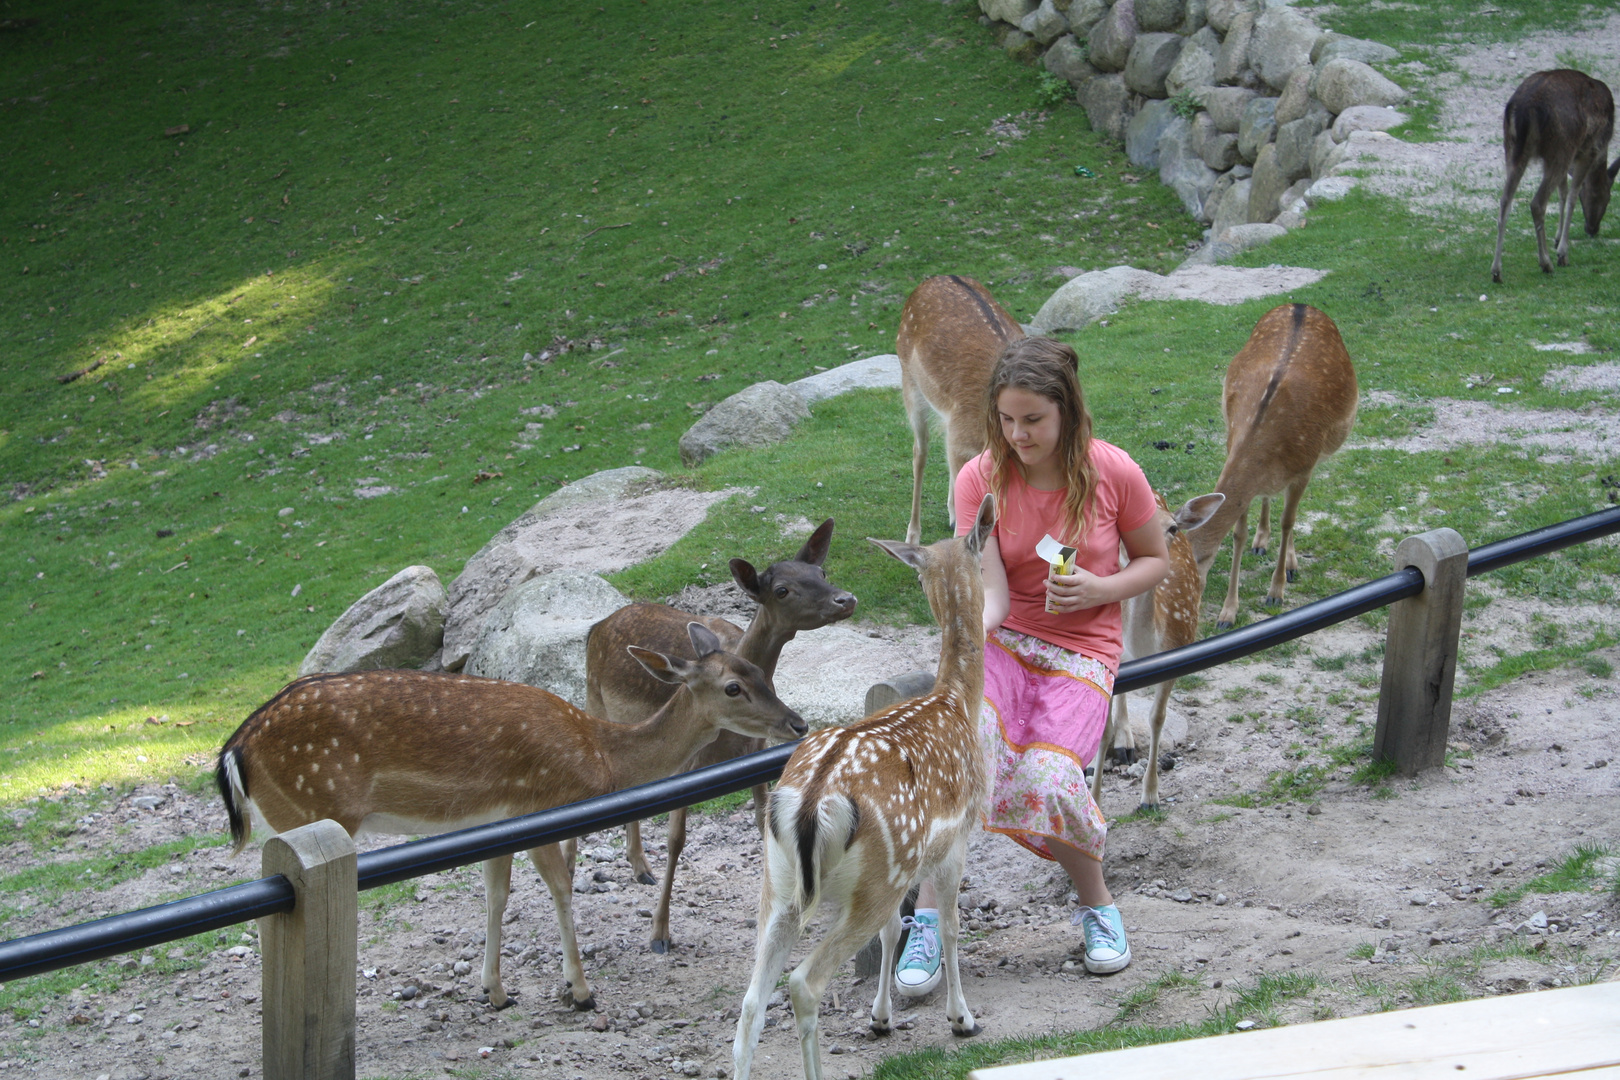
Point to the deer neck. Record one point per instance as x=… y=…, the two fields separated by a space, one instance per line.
x=1207 y=539
x=961 y=646
x=763 y=641
x=659 y=745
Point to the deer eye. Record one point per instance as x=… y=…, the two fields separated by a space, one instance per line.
x=733 y=689
x=781 y=592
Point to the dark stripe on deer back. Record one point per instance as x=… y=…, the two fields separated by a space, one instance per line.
x=985 y=307
x=1284 y=357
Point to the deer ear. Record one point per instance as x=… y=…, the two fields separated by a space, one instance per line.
x=743 y=572
x=814 y=551
x=984 y=523
x=910 y=554
x=669 y=669
x=1197 y=512
x=703 y=639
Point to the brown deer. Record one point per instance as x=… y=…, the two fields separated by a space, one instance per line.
x=863 y=813
x=409 y=752
x=1565 y=119
x=1289 y=401
x=792 y=595
x=951 y=331
x=1165 y=617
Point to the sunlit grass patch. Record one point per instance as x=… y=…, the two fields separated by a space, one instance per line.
x=1585 y=869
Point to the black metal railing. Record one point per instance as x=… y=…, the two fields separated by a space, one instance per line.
x=127 y=932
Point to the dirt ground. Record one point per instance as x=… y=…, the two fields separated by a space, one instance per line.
x=1378 y=891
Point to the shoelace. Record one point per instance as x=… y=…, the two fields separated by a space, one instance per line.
x=920 y=947
x=1097 y=929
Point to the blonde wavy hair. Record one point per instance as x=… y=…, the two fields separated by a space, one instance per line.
x=1050 y=369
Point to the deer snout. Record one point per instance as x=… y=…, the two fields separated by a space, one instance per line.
x=794 y=726
x=844 y=604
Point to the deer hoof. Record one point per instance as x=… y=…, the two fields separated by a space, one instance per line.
x=1147 y=808
x=1123 y=755
x=1223 y=624
x=588 y=1005
x=879 y=1027
x=1258 y=552
x=1272 y=601
x=968 y=1033
x=646 y=878
x=660 y=945
x=506 y=1001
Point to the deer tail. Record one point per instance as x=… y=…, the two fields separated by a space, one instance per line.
x=233 y=790
x=810 y=837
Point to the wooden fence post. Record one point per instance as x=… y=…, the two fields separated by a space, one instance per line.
x=1420 y=655
x=309 y=956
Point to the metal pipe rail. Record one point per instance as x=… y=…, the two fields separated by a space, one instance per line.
x=55 y=949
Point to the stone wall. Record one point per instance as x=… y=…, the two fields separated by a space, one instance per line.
x=1239 y=104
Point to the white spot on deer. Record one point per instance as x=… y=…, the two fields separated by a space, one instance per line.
x=329 y=785
x=314 y=766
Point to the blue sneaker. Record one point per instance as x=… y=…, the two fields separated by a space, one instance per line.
x=919 y=970
x=1107 y=951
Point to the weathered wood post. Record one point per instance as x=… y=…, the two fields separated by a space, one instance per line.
x=309 y=956
x=1420 y=654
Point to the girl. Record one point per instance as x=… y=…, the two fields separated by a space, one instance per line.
x=1052 y=641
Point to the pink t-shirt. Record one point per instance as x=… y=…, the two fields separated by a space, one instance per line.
x=1122 y=502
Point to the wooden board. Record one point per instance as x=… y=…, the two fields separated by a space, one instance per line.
x=1572 y=1033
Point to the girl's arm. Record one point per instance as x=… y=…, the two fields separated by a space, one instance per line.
x=997 y=600
x=1150 y=562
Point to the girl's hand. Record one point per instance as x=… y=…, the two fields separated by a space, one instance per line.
x=1075 y=592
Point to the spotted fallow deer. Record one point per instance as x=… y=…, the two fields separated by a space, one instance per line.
x=862 y=813
x=792 y=595
x=1289 y=399
x=1564 y=119
x=951 y=332
x=1163 y=618
x=412 y=752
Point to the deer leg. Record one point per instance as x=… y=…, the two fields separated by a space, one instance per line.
x=1104 y=748
x=883 y=1004
x=677 y=844
x=1566 y=217
x=917 y=409
x=558 y=874
x=1287 y=564
x=1239 y=536
x=778 y=930
x=636 y=854
x=1150 y=782
x=1122 y=747
x=497 y=887
x=948 y=880
x=1538 y=217
x=1515 y=173
x=762 y=801
x=809 y=980
x=1262 y=531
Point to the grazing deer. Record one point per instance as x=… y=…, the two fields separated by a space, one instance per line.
x=792 y=595
x=951 y=331
x=1163 y=618
x=862 y=813
x=406 y=752
x=1563 y=118
x=1289 y=401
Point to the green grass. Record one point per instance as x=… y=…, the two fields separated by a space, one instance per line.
x=1582 y=870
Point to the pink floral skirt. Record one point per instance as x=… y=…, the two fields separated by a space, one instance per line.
x=1041 y=721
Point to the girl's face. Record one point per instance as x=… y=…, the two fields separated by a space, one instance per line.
x=1031 y=425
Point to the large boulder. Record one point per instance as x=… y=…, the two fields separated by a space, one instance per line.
x=1232 y=209
x=1365 y=118
x=1045 y=24
x=1282 y=41
x=398 y=624
x=1107 y=102
x=1225 y=105
x=1149 y=63
x=1081 y=299
x=1182 y=168
x=1067 y=60
x=1344 y=84
x=1269 y=184
x=880 y=372
x=1158 y=16
x=1258 y=126
x=1329 y=189
x=1194 y=69
x=536 y=634
x=826 y=673
x=1294 y=141
x=761 y=415
x=1324 y=153
x=1295 y=98
x=1111 y=39
x=1195 y=18
x=1008 y=11
x=1331 y=46
x=1293 y=200
x=1253 y=235
x=1220 y=13
x=1084 y=14
x=1233 y=60
x=1143 y=132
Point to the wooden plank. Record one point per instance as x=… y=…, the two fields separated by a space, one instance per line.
x=1571 y=1031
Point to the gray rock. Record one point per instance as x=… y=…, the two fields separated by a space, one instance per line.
x=603 y=486
x=1232 y=210
x=1325 y=153
x=1291 y=220
x=1294 y=141
x=1344 y=84
x=1225 y=105
x=1252 y=235
x=761 y=415
x=1157 y=16
x=1233 y=60
x=1111 y=39
x=152 y=802
x=1331 y=46
x=1293 y=200
x=1282 y=42
x=1142 y=134
x=1089 y=296
x=1220 y=152
x=1084 y=14
x=1329 y=189
x=1220 y=13
x=1067 y=60
x=400 y=623
x=1019 y=45
x=1194 y=68
x=1045 y=24
x=1193 y=19
x=880 y=372
x=536 y=634
x=1365 y=118
x=1295 y=97
x=1205 y=39
x=1108 y=105
x=1269 y=184
x=1008 y=11
x=1182 y=168
x=1150 y=60
x=1257 y=128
